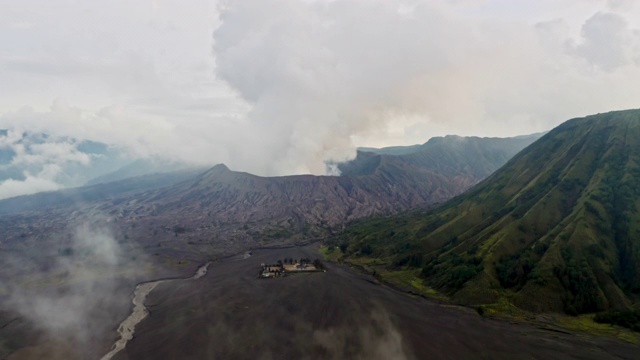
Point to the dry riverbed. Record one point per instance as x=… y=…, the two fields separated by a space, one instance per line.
x=140 y=311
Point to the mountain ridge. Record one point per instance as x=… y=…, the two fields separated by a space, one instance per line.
x=551 y=230
x=234 y=210
x=409 y=149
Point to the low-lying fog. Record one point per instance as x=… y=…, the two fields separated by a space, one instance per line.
x=71 y=289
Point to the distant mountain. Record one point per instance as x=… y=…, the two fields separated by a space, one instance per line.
x=81 y=196
x=458 y=144
x=473 y=157
x=236 y=210
x=229 y=211
x=65 y=162
x=392 y=150
x=142 y=167
x=555 y=229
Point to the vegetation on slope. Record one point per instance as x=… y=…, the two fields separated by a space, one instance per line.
x=557 y=228
x=450 y=156
x=626 y=318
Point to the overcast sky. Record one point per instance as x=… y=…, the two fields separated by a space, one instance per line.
x=279 y=87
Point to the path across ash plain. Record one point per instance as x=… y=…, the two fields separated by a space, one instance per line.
x=342 y=314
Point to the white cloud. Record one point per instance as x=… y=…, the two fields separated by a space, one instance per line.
x=282 y=86
x=622 y=5
x=34 y=162
x=49 y=153
x=608 y=42
x=320 y=74
x=30 y=185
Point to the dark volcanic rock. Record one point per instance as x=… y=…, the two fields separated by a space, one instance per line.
x=220 y=210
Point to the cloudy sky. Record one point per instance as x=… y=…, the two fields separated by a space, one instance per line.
x=279 y=87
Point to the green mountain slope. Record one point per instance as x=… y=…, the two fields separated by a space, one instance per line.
x=449 y=155
x=453 y=141
x=556 y=228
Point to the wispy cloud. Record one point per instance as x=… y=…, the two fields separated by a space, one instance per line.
x=76 y=303
x=279 y=88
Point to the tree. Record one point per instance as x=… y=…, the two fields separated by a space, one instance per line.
x=318 y=264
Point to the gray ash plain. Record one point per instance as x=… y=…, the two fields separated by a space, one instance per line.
x=342 y=314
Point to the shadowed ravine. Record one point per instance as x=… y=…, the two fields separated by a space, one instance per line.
x=139 y=312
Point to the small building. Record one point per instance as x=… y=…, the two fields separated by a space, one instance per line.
x=270 y=271
x=280 y=269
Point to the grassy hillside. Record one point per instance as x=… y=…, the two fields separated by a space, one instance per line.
x=449 y=156
x=557 y=228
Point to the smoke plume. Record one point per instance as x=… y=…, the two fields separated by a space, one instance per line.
x=377 y=339
x=75 y=293
x=277 y=88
